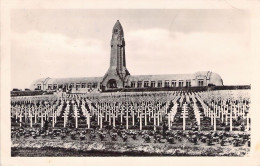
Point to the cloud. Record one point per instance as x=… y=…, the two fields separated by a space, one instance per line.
x=148 y=51
x=160 y=51
x=36 y=55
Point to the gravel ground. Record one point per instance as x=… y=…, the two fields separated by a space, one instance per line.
x=56 y=147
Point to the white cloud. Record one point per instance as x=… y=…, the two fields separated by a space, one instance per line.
x=148 y=51
x=36 y=55
x=160 y=51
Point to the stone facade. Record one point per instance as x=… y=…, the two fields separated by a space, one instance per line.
x=117 y=73
x=118 y=77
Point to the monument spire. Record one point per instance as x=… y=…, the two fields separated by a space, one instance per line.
x=117 y=57
x=117 y=66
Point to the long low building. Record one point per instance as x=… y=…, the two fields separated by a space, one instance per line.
x=118 y=77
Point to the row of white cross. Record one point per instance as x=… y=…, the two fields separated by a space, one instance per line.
x=215 y=110
x=110 y=111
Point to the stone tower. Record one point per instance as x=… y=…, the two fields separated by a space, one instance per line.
x=117 y=73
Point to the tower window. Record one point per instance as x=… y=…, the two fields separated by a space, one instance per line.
x=115 y=30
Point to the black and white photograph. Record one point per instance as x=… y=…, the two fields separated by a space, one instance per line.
x=131 y=83
x=83 y=99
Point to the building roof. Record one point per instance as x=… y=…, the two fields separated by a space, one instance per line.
x=74 y=80
x=204 y=73
x=161 y=77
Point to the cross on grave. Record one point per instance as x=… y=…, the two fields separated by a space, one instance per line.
x=243 y=110
x=78 y=102
x=222 y=114
x=121 y=115
x=90 y=107
x=151 y=111
x=155 y=115
x=158 y=118
x=207 y=111
x=35 y=115
x=12 y=111
x=127 y=111
x=88 y=116
x=45 y=114
x=141 y=116
x=114 y=120
x=30 y=116
x=234 y=110
x=21 y=116
x=41 y=118
x=199 y=117
x=53 y=119
x=215 y=121
x=160 y=114
x=145 y=117
x=67 y=109
x=231 y=119
x=25 y=115
x=172 y=114
x=65 y=119
x=212 y=104
x=98 y=113
x=169 y=120
x=133 y=117
x=135 y=106
x=108 y=113
x=184 y=116
x=116 y=111
x=214 y=108
x=76 y=117
x=16 y=114
x=226 y=114
x=139 y=110
x=101 y=117
x=247 y=121
x=211 y=117
x=239 y=110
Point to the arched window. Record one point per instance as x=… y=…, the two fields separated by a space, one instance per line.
x=112 y=83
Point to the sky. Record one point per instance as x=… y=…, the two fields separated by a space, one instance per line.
x=60 y=43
